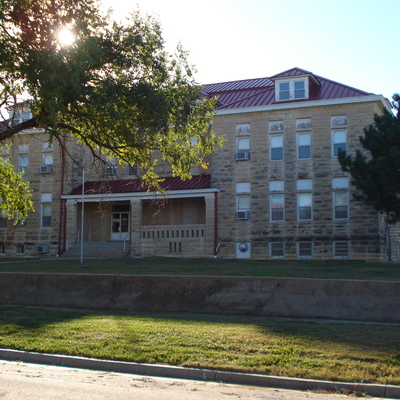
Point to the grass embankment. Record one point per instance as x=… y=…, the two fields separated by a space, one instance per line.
x=307 y=349
x=212 y=267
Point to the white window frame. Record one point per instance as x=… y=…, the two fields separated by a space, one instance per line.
x=243 y=144
x=305 y=255
x=302 y=146
x=243 y=196
x=347 y=205
x=46 y=199
x=273 y=196
x=340 y=144
x=47 y=146
x=299 y=207
x=336 y=248
x=45 y=220
x=23 y=149
x=271 y=139
x=19 y=249
x=243 y=202
x=291 y=92
x=47 y=159
x=132 y=170
x=271 y=250
x=23 y=166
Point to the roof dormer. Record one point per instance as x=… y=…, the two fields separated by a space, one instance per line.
x=293 y=87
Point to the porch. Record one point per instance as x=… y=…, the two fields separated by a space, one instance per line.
x=182 y=221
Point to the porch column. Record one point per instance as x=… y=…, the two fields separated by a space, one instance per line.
x=72 y=222
x=136 y=226
x=210 y=225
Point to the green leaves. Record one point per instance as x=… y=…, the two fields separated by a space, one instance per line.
x=15 y=194
x=115 y=87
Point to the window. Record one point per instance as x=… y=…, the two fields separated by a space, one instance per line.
x=47 y=159
x=339 y=140
x=293 y=89
x=19 y=222
x=46 y=215
x=132 y=169
x=277 y=207
x=341 y=249
x=277 y=201
x=21 y=116
x=284 y=90
x=46 y=199
x=299 y=89
x=23 y=162
x=47 y=146
x=276 y=126
x=243 y=200
x=340 y=120
x=243 y=144
x=19 y=249
x=111 y=167
x=304 y=145
x=277 y=249
x=243 y=129
x=276 y=147
x=341 y=205
x=304 y=249
x=304 y=203
x=2 y=249
x=23 y=149
x=304 y=200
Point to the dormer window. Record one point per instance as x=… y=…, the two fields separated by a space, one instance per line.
x=291 y=89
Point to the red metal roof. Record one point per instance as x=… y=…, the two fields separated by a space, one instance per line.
x=136 y=185
x=261 y=92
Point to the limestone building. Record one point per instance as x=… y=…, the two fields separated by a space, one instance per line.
x=275 y=190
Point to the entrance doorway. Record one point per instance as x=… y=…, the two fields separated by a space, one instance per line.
x=120 y=222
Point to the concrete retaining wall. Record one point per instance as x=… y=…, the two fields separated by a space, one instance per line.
x=306 y=298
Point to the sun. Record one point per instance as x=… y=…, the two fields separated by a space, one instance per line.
x=65 y=37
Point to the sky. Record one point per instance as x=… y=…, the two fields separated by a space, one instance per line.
x=354 y=42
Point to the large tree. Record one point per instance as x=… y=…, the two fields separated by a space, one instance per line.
x=115 y=87
x=375 y=172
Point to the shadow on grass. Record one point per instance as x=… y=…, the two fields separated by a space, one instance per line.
x=26 y=321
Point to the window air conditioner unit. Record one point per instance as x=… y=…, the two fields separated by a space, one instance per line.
x=243 y=155
x=46 y=169
x=42 y=249
x=109 y=171
x=242 y=214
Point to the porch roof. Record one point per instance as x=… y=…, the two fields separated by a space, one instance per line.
x=137 y=186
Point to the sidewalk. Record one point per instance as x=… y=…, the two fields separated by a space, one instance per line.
x=382 y=391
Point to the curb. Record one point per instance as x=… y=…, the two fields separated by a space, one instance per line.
x=383 y=391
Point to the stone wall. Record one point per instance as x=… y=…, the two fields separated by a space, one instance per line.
x=278 y=297
x=360 y=229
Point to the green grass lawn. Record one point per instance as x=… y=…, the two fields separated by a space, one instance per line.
x=307 y=349
x=214 y=267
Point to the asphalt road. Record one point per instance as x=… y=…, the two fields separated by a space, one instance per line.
x=19 y=381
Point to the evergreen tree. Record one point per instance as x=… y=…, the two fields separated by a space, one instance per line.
x=376 y=172
x=114 y=86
